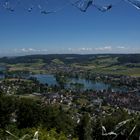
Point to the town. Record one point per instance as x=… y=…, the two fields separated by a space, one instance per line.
x=74 y=90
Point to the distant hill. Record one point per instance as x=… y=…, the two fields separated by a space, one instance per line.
x=129 y=58
x=72 y=58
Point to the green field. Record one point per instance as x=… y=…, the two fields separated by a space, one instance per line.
x=128 y=64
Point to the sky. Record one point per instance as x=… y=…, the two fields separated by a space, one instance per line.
x=69 y=30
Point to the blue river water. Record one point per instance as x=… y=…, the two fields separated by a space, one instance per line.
x=87 y=84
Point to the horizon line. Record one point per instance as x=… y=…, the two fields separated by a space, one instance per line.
x=71 y=54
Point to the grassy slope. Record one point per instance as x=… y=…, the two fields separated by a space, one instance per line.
x=107 y=64
x=110 y=65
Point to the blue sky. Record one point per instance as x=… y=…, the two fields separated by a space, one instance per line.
x=70 y=31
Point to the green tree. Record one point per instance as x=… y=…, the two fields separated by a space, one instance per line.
x=84 y=128
x=7 y=107
x=29 y=113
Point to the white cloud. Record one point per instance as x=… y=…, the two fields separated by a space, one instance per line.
x=106 y=48
x=80 y=49
x=23 y=50
x=77 y=50
x=121 y=47
x=30 y=50
x=86 y=49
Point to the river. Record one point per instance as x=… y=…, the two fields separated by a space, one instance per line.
x=87 y=84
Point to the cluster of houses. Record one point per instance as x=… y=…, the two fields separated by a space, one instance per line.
x=53 y=98
x=54 y=68
x=129 y=99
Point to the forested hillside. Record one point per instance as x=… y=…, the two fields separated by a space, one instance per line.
x=71 y=58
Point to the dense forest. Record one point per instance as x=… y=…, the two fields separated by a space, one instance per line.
x=22 y=116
